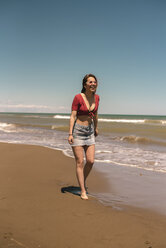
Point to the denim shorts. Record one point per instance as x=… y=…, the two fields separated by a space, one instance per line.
x=83 y=135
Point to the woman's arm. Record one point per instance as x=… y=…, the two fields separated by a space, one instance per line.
x=95 y=119
x=72 y=120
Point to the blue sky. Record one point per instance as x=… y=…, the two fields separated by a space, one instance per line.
x=46 y=48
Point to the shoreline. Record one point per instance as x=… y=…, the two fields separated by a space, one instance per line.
x=34 y=211
x=147 y=186
x=133 y=145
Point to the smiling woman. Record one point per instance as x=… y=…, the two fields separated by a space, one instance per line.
x=83 y=129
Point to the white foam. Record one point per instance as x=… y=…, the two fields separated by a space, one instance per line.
x=54 y=126
x=104 y=151
x=135 y=121
x=121 y=120
x=7 y=128
x=131 y=165
x=61 y=117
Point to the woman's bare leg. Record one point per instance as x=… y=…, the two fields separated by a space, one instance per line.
x=79 y=157
x=90 y=155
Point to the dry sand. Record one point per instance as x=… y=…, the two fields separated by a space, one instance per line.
x=34 y=211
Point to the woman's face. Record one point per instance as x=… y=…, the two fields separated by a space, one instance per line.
x=91 y=84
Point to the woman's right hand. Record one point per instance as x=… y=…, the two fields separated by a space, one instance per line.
x=70 y=139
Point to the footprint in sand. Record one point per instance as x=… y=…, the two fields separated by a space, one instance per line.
x=7 y=235
x=148 y=243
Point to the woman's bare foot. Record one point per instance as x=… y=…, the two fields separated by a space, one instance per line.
x=84 y=196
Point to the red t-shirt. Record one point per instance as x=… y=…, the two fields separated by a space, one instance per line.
x=79 y=105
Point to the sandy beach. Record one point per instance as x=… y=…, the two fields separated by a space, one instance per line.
x=38 y=207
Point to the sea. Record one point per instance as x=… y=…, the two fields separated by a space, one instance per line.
x=126 y=140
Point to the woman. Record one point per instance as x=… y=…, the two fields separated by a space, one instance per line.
x=83 y=129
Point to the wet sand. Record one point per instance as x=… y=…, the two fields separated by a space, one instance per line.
x=131 y=186
x=38 y=207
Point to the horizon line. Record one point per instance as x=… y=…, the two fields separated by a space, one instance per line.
x=53 y=113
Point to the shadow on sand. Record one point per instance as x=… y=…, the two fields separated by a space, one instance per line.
x=71 y=189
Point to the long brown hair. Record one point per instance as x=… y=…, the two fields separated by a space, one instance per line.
x=85 y=80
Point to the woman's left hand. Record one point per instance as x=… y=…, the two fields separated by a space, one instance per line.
x=96 y=132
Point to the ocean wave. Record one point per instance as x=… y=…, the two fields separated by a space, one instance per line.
x=59 y=127
x=7 y=128
x=61 y=117
x=103 y=119
x=106 y=152
x=155 y=122
x=135 y=121
x=107 y=120
x=121 y=120
x=35 y=116
x=18 y=127
x=141 y=140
